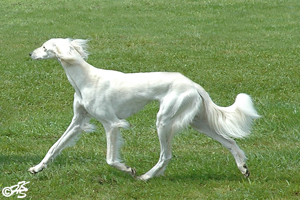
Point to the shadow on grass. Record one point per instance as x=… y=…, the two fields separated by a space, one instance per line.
x=204 y=177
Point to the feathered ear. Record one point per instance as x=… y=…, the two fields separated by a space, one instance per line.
x=62 y=48
x=81 y=47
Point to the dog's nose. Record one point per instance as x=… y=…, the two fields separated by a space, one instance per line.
x=30 y=54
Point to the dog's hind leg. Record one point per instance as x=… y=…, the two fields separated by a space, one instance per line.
x=176 y=111
x=229 y=143
x=165 y=138
x=164 y=125
x=114 y=140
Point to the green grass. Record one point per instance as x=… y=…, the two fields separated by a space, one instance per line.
x=227 y=46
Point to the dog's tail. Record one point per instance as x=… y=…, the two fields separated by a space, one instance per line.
x=234 y=121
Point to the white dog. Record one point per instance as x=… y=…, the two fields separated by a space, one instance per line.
x=111 y=97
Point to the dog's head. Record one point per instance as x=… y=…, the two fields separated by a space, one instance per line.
x=61 y=49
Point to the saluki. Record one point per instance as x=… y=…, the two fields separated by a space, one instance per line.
x=111 y=97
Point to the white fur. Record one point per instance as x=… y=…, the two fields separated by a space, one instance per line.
x=111 y=97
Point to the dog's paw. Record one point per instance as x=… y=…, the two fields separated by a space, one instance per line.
x=133 y=172
x=143 y=178
x=37 y=169
x=32 y=170
x=247 y=172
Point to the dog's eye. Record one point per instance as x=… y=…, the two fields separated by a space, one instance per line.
x=44 y=48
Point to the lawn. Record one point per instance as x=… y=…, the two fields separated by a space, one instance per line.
x=227 y=46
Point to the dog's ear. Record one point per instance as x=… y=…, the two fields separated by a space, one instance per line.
x=68 y=49
x=81 y=47
x=63 y=49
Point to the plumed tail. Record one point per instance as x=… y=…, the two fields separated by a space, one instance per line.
x=234 y=121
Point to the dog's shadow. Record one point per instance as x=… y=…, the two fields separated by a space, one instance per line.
x=204 y=177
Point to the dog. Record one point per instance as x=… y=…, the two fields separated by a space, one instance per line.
x=111 y=97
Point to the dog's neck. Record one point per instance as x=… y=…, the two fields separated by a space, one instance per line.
x=78 y=72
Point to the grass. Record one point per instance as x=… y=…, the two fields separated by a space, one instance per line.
x=228 y=46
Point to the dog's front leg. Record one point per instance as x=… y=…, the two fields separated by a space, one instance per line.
x=114 y=140
x=68 y=137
